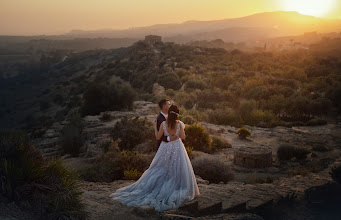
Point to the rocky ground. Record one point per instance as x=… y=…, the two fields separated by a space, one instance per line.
x=242 y=198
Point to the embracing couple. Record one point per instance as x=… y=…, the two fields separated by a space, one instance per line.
x=169 y=181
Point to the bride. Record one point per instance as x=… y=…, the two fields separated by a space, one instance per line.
x=169 y=181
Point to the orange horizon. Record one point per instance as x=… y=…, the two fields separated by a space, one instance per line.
x=41 y=17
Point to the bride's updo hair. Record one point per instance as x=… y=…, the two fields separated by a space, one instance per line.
x=173 y=114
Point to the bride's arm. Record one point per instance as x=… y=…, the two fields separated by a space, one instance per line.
x=182 y=132
x=158 y=134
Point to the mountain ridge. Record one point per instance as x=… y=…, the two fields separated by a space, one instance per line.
x=285 y=22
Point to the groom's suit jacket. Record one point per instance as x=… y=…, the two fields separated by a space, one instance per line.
x=160 y=118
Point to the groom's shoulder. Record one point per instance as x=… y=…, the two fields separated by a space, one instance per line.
x=160 y=117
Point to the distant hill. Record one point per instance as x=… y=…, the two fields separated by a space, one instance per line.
x=257 y=26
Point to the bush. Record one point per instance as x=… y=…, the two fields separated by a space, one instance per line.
x=288 y=151
x=192 y=84
x=132 y=131
x=243 y=133
x=115 y=165
x=130 y=160
x=169 y=81
x=198 y=138
x=101 y=97
x=189 y=151
x=219 y=143
x=71 y=139
x=132 y=174
x=315 y=122
x=336 y=173
x=224 y=117
x=49 y=188
x=106 y=168
x=106 y=117
x=212 y=170
x=285 y=151
x=188 y=120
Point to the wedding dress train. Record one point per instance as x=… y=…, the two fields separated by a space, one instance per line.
x=167 y=183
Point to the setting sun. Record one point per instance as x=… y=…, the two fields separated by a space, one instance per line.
x=309 y=7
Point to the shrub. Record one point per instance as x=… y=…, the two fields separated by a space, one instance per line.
x=315 y=122
x=212 y=170
x=106 y=117
x=189 y=151
x=198 y=138
x=132 y=174
x=224 y=117
x=336 y=173
x=48 y=187
x=219 y=143
x=285 y=151
x=133 y=160
x=101 y=97
x=243 y=133
x=71 y=139
x=106 y=168
x=115 y=165
x=132 y=131
x=288 y=151
x=188 y=120
x=169 y=81
x=192 y=84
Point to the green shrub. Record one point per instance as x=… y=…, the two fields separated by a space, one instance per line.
x=101 y=97
x=106 y=117
x=133 y=160
x=192 y=84
x=189 y=151
x=219 y=143
x=284 y=124
x=336 y=173
x=48 y=187
x=243 y=133
x=132 y=174
x=212 y=170
x=224 y=117
x=316 y=122
x=71 y=139
x=198 y=138
x=115 y=165
x=132 y=131
x=285 y=151
x=188 y=120
x=288 y=151
x=106 y=168
x=169 y=81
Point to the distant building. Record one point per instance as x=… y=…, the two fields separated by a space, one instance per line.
x=151 y=39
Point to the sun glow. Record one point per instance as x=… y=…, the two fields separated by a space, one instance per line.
x=309 y=7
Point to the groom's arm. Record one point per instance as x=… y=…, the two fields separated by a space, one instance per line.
x=163 y=138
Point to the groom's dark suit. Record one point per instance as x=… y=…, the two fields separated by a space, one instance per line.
x=160 y=118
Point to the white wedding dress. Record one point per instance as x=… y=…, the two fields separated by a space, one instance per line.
x=167 y=183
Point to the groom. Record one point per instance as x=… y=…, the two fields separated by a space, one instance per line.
x=164 y=105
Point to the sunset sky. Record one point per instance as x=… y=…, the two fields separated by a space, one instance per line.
x=31 y=17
